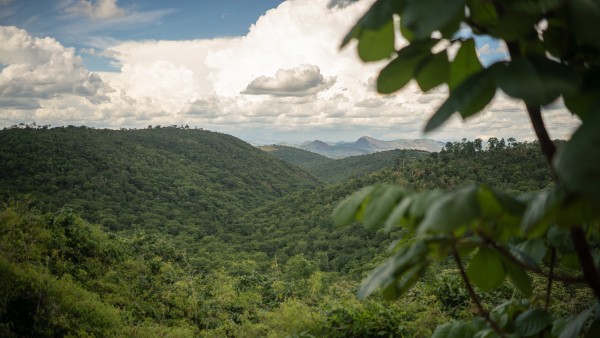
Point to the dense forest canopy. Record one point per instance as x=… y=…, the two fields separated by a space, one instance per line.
x=274 y=265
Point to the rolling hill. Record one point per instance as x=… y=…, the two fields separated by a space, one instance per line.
x=182 y=180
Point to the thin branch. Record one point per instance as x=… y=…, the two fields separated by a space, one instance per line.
x=506 y=253
x=473 y=295
x=549 y=149
x=585 y=259
x=550 y=276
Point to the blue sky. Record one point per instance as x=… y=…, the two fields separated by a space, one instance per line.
x=144 y=20
x=266 y=71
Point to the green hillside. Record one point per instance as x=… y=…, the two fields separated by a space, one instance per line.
x=223 y=239
x=302 y=158
x=179 y=180
x=340 y=170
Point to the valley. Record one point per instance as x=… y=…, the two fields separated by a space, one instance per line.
x=181 y=232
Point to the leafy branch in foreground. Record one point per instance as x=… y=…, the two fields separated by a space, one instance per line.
x=554 y=51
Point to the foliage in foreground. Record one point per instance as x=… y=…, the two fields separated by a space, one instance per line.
x=554 y=233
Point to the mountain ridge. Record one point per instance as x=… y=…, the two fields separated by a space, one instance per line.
x=368 y=145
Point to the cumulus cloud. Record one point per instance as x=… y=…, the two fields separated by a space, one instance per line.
x=303 y=80
x=285 y=77
x=41 y=68
x=101 y=9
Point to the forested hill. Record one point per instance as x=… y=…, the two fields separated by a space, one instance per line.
x=339 y=170
x=179 y=179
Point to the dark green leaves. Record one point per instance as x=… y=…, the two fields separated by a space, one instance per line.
x=402 y=69
x=376 y=45
x=449 y=212
x=433 y=71
x=453 y=330
x=424 y=17
x=578 y=162
x=486 y=269
x=468 y=98
x=537 y=81
x=408 y=260
x=345 y=212
x=465 y=64
x=518 y=277
x=375 y=31
x=381 y=202
x=532 y=322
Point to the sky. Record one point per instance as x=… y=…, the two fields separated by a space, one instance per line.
x=266 y=71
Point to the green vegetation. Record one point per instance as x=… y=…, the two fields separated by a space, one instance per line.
x=494 y=236
x=177 y=180
x=275 y=267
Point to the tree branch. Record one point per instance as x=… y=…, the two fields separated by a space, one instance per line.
x=550 y=276
x=473 y=295
x=585 y=259
x=506 y=253
x=549 y=149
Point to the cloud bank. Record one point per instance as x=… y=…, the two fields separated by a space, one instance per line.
x=286 y=80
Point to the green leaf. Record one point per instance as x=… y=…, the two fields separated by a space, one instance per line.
x=381 y=202
x=345 y=212
x=585 y=15
x=594 y=330
x=533 y=6
x=530 y=252
x=453 y=330
x=577 y=163
x=451 y=211
x=519 y=278
x=400 y=71
x=532 y=322
x=486 y=269
x=424 y=17
x=380 y=14
x=433 y=71
x=541 y=207
x=490 y=207
x=574 y=326
x=394 y=267
x=398 y=214
x=536 y=80
x=465 y=64
x=468 y=98
x=374 y=45
x=403 y=283
x=483 y=13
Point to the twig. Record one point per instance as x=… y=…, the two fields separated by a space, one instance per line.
x=473 y=295
x=506 y=253
x=550 y=276
x=585 y=259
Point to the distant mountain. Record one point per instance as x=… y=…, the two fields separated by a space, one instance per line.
x=369 y=145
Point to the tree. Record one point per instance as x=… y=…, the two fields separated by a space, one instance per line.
x=554 y=49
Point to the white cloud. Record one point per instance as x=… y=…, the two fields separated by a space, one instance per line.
x=303 y=80
x=101 y=9
x=290 y=56
x=41 y=68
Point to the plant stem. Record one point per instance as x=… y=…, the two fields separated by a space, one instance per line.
x=550 y=276
x=549 y=149
x=585 y=259
x=473 y=295
x=506 y=253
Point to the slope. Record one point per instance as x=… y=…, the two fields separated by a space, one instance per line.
x=177 y=180
x=304 y=159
